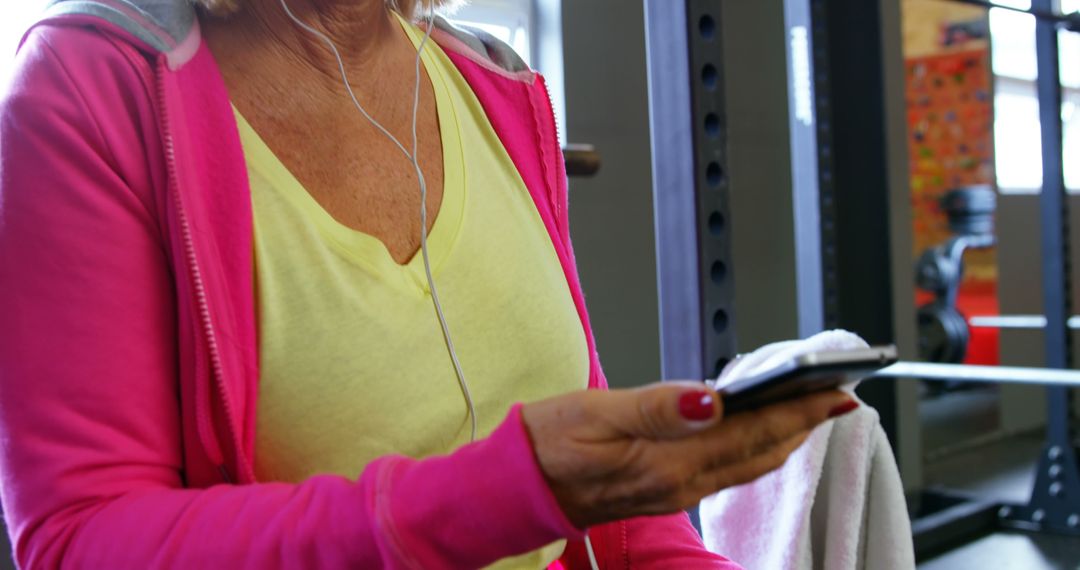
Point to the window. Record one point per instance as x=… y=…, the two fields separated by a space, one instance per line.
x=509 y=20
x=1017 y=132
x=534 y=29
x=14 y=18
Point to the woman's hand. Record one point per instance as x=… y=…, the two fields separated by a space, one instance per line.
x=655 y=450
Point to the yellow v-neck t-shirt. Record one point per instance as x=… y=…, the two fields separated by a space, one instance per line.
x=353 y=365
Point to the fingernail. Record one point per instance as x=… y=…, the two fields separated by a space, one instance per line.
x=845 y=408
x=697 y=406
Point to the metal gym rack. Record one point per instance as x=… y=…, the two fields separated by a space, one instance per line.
x=1055 y=499
x=767 y=189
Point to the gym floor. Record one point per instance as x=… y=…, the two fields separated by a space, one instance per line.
x=1005 y=472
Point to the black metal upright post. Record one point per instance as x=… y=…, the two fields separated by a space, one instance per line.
x=690 y=171
x=710 y=128
x=1055 y=222
x=854 y=181
x=1055 y=500
x=690 y=181
x=671 y=126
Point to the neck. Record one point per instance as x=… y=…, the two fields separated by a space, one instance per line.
x=363 y=31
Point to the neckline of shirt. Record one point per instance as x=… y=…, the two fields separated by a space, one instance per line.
x=363 y=248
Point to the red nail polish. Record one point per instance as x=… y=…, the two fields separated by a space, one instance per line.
x=697 y=406
x=845 y=408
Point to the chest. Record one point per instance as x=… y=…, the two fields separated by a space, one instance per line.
x=359 y=176
x=345 y=161
x=346 y=332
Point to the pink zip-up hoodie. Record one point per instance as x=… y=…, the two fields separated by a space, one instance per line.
x=128 y=346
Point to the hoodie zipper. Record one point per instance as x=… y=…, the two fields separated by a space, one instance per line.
x=204 y=421
x=558 y=154
x=203 y=415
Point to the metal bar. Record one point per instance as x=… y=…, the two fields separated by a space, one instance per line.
x=673 y=189
x=1017 y=322
x=709 y=120
x=953 y=526
x=582 y=160
x=985 y=374
x=807 y=89
x=1055 y=498
x=1055 y=229
x=676 y=131
x=1033 y=322
x=830 y=242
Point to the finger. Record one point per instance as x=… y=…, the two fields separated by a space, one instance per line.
x=707 y=482
x=762 y=464
x=748 y=434
x=745 y=472
x=760 y=430
x=671 y=410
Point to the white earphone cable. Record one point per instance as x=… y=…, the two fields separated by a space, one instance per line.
x=589 y=551
x=413 y=159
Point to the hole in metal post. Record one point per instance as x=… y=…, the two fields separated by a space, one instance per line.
x=720 y=364
x=707 y=27
x=720 y=321
x=718 y=272
x=712 y=125
x=710 y=77
x=716 y=224
x=714 y=174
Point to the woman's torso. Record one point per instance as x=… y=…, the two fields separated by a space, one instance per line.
x=353 y=362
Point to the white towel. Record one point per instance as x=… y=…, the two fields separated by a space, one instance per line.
x=837 y=504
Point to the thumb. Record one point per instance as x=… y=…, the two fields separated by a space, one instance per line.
x=671 y=410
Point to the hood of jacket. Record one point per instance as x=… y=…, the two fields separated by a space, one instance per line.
x=171 y=27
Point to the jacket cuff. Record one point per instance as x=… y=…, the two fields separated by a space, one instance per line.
x=487 y=501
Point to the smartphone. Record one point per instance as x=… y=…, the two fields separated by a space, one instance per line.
x=805 y=374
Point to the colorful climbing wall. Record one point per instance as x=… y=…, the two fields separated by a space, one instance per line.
x=951 y=144
x=950 y=130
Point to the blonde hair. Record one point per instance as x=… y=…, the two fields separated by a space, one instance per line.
x=407 y=8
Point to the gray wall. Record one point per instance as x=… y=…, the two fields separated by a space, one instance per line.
x=762 y=216
x=1020 y=292
x=611 y=215
x=909 y=450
